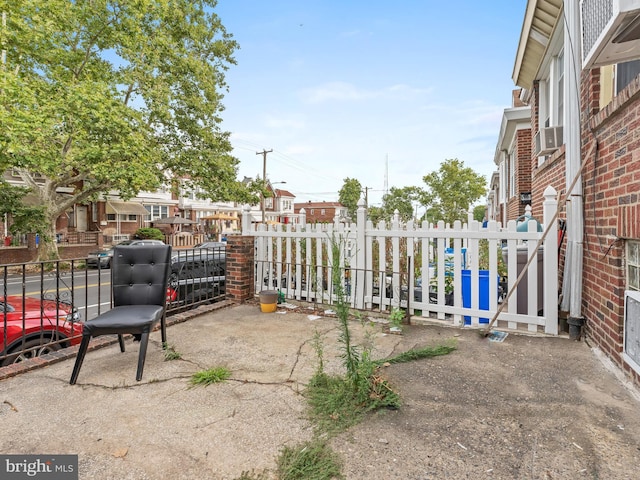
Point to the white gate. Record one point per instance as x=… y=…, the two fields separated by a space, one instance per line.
x=448 y=273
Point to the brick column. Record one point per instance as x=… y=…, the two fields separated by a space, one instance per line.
x=240 y=268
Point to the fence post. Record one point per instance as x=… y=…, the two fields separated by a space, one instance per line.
x=246 y=221
x=240 y=284
x=361 y=245
x=550 y=265
x=303 y=218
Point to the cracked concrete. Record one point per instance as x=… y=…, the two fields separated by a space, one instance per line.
x=531 y=407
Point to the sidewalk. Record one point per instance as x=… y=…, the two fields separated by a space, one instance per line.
x=529 y=407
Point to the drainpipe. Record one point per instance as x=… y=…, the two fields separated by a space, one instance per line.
x=572 y=280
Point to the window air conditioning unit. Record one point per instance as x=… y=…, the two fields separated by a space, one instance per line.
x=631 y=350
x=610 y=31
x=548 y=140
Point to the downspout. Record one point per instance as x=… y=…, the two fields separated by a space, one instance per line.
x=572 y=279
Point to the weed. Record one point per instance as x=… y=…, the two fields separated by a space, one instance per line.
x=414 y=354
x=252 y=475
x=396 y=317
x=313 y=460
x=170 y=353
x=210 y=376
x=318 y=346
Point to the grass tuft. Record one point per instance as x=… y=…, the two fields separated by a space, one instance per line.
x=210 y=376
x=170 y=353
x=252 y=475
x=313 y=460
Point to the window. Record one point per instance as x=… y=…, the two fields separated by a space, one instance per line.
x=511 y=158
x=559 y=78
x=552 y=94
x=615 y=78
x=322 y=212
x=156 y=211
x=111 y=217
x=633 y=265
x=268 y=202
x=626 y=73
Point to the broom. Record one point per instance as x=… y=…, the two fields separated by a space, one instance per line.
x=561 y=202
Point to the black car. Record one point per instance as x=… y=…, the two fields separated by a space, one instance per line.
x=197 y=276
x=102 y=258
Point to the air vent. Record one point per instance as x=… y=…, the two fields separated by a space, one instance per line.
x=610 y=31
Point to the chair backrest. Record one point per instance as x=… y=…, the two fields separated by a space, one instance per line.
x=140 y=274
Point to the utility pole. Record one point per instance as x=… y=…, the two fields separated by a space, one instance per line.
x=366 y=196
x=264 y=175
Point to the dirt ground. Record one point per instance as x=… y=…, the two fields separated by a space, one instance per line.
x=526 y=408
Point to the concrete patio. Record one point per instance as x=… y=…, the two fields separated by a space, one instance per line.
x=529 y=407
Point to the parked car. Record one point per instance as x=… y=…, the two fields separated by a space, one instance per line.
x=102 y=258
x=212 y=245
x=32 y=324
x=197 y=275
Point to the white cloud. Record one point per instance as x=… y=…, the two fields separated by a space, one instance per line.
x=335 y=91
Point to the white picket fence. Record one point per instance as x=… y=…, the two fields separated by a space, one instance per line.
x=378 y=267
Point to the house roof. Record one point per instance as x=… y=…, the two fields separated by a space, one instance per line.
x=283 y=193
x=540 y=21
x=513 y=119
x=297 y=206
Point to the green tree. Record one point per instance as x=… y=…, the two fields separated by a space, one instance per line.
x=349 y=195
x=24 y=218
x=479 y=212
x=451 y=191
x=107 y=95
x=401 y=199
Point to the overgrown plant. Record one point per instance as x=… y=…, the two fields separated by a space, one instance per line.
x=338 y=402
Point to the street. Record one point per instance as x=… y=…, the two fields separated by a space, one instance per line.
x=88 y=290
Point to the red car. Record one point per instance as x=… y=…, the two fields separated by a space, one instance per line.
x=27 y=329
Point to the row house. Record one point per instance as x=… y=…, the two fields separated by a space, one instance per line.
x=577 y=67
x=118 y=219
x=322 y=212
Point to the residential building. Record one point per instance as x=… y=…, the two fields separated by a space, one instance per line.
x=513 y=159
x=322 y=212
x=584 y=108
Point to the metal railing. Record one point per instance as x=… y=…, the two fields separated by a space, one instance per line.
x=43 y=304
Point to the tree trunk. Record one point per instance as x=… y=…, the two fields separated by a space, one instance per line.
x=48 y=247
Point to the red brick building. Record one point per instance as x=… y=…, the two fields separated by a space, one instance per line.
x=321 y=212
x=589 y=113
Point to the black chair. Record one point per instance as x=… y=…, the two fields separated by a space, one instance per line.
x=139 y=279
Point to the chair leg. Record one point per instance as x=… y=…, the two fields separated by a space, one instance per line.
x=144 y=340
x=163 y=329
x=121 y=342
x=80 y=358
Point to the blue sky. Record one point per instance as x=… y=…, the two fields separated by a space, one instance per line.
x=374 y=90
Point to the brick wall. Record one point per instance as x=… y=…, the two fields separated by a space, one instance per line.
x=611 y=189
x=522 y=153
x=240 y=268
x=29 y=253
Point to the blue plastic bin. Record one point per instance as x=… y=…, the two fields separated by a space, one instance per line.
x=483 y=292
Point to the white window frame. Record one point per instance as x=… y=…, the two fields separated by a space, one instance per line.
x=511 y=159
x=633 y=265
